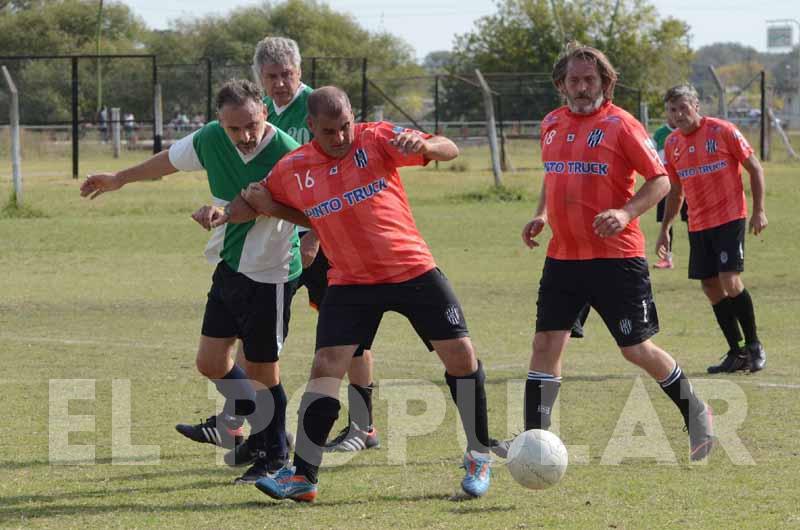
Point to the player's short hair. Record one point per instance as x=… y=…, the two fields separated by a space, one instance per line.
x=577 y=51
x=328 y=100
x=681 y=91
x=237 y=92
x=276 y=50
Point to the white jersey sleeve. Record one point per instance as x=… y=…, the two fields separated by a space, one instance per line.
x=183 y=156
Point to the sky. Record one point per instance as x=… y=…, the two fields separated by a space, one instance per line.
x=433 y=24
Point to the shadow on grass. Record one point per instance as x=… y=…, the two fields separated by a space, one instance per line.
x=82 y=509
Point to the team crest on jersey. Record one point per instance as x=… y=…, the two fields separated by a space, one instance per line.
x=626 y=326
x=360 y=158
x=711 y=146
x=334 y=170
x=595 y=137
x=570 y=138
x=691 y=149
x=452 y=314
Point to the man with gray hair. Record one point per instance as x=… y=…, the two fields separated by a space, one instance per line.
x=276 y=66
x=704 y=159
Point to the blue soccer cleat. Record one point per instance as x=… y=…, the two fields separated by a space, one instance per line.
x=479 y=473
x=286 y=485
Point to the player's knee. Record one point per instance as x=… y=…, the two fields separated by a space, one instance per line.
x=210 y=367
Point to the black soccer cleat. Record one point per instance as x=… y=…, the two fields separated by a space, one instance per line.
x=249 y=451
x=260 y=469
x=758 y=357
x=734 y=361
x=352 y=439
x=501 y=447
x=221 y=430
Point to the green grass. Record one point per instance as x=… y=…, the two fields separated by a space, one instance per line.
x=114 y=289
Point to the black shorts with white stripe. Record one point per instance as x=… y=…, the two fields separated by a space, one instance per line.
x=258 y=313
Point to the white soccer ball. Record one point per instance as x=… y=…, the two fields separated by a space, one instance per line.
x=537 y=459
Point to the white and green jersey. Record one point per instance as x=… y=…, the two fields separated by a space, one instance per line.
x=291 y=118
x=266 y=250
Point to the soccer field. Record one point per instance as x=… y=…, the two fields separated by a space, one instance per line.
x=100 y=311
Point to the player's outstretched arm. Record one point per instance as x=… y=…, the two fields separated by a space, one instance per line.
x=152 y=168
x=611 y=222
x=434 y=148
x=758 y=221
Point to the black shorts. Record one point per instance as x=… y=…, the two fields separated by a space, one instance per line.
x=258 y=313
x=715 y=250
x=315 y=278
x=618 y=289
x=351 y=314
x=662 y=205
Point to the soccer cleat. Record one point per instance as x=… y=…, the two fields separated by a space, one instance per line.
x=479 y=473
x=500 y=447
x=352 y=438
x=248 y=452
x=245 y=454
x=261 y=469
x=286 y=485
x=221 y=430
x=701 y=431
x=757 y=355
x=734 y=361
x=665 y=263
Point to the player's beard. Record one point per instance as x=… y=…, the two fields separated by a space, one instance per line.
x=582 y=107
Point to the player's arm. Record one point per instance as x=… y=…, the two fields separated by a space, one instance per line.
x=434 y=148
x=611 y=222
x=154 y=167
x=671 y=208
x=758 y=221
x=536 y=225
x=259 y=199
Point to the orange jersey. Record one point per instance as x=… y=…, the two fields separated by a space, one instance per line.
x=589 y=163
x=357 y=206
x=708 y=164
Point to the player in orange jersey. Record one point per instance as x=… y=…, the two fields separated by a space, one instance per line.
x=591 y=151
x=346 y=183
x=704 y=158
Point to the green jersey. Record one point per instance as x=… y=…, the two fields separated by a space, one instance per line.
x=266 y=250
x=291 y=118
x=660 y=137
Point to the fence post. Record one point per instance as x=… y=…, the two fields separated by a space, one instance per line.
x=115 y=126
x=209 y=90
x=157 y=125
x=764 y=118
x=436 y=109
x=75 y=117
x=13 y=120
x=158 y=120
x=313 y=72
x=491 y=129
x=364 y=93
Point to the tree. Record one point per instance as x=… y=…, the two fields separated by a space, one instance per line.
x=528 y=36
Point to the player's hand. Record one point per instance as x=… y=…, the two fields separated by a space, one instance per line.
x=758 y=222
x=210 y=217
x=610 y=222
x=531 y=230
x=409 y=143
x=259 y=198
x=309 y=247
x=662 y=244
x=99 y=183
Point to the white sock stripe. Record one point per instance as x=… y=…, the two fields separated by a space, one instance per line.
x=541 y=376
x=672 y=377
x=279 y=316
